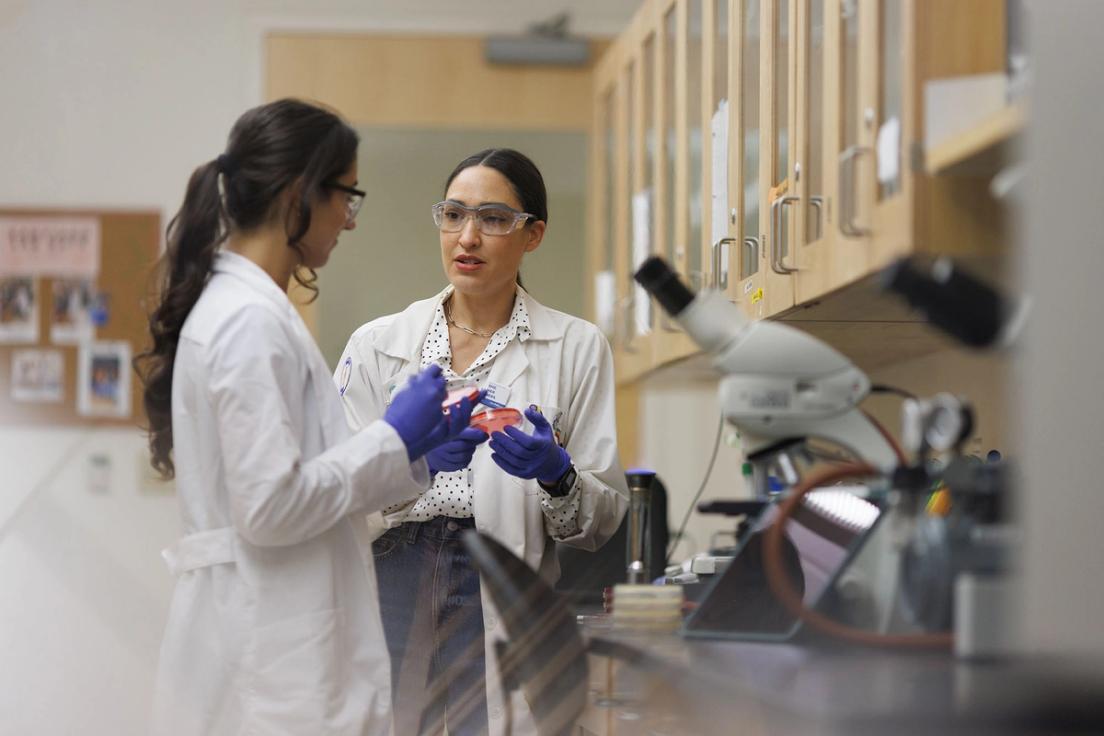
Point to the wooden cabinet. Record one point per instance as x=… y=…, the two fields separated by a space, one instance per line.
x=773 y=149
x=865 y=198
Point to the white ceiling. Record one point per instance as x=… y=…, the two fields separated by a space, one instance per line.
x=588 y=17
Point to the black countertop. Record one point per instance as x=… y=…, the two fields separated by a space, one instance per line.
x=816 y=686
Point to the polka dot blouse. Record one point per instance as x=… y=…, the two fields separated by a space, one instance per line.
x=452 y=492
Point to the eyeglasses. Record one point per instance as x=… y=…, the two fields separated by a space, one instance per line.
x=491 y=219
x=354 y=199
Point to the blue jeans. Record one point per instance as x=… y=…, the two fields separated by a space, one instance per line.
x=433 y=623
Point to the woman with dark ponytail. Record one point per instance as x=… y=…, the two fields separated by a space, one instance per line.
x=274 y=626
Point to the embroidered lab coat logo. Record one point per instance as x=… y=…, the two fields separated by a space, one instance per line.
x=346 y=375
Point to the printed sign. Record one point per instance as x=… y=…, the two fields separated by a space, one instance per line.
x=50 y=246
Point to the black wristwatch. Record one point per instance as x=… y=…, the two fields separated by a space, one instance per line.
x=563 y=486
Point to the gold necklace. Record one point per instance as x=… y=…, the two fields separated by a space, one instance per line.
x=457 y=325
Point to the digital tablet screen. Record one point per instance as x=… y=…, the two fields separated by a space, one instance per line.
x=823 y=534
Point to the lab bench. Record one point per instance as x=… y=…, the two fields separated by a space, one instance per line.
x=665 y=684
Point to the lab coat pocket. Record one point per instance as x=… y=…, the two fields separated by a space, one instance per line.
x=295 y=684
x=397 y=382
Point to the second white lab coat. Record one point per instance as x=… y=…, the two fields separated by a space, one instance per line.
x=274 y=625
x=566 y=368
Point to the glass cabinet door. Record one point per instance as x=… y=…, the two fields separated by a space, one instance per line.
x=626 y=288
x=694 y=125
x=813 y=81
x=602 y=282
x=673 y=248
x=750 y=232
x=890 y=95
x=720 y=113
x=819 y=59
x=889 y=197
x=854 y=146
x=608 y=181
x=777 y=155
x=646 y=177
x=781 y=94
x=781 y=186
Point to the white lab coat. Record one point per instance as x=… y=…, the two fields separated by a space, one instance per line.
x=566 y=368
x=274 y=626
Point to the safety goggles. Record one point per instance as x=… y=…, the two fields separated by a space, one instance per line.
x=354 y=199
x=490 y=219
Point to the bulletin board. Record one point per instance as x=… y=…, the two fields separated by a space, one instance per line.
x=74 y=286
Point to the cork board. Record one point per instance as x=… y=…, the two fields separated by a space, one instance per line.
x=129 y=244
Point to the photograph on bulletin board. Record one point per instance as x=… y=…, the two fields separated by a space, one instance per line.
x=72 y=321
x=18 y=310
x=103 y=379
x=37 y=376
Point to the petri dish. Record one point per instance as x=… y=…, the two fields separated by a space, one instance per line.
x=496 y=420
x=458 y=389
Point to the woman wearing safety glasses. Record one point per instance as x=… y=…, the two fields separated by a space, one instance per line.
x=556 y=476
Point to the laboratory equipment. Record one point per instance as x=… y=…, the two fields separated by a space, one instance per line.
x=654 y=609
x=781 y=387
x=821 y=540
x=955 y=301
x=639 y=549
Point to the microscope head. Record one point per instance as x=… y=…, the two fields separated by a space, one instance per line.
x=779 y=383
x=708 y=317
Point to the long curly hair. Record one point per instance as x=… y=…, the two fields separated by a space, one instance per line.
x=270 y=147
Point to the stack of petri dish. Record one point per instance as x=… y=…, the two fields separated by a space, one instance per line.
x=647 y=608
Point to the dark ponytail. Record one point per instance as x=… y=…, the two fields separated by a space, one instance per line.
x=270 y=148
x=524 y=177
x=193 y=238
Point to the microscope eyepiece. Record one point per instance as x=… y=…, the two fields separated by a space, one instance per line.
x=952 y=300
x=661 y=281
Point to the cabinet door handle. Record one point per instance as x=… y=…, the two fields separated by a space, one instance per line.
x=719 y=278
x=847 y=192
x=818 y=204
x=752 y=244
x=777 y=210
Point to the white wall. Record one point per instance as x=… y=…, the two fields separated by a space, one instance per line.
x=678 y=430
x=112 y=104
x=108 y=104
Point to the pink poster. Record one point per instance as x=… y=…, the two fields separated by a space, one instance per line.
x=67 y=247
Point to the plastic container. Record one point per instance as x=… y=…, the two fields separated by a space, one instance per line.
x=496 y=420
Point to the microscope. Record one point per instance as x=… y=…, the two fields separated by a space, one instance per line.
x=781 y=388
x=779 y=385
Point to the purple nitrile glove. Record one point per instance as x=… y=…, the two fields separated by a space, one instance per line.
x=530 y=456
x=415 y=412
x=456 y=453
